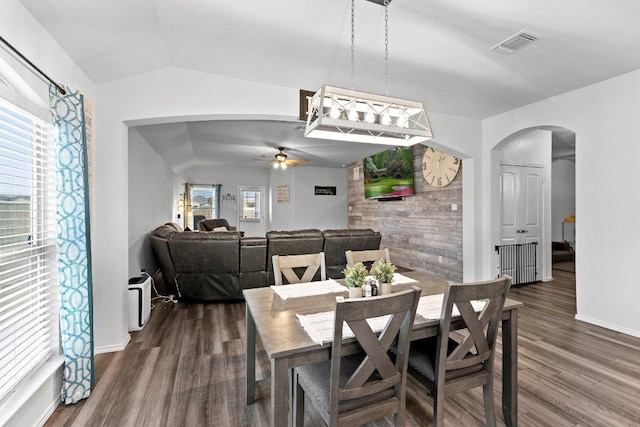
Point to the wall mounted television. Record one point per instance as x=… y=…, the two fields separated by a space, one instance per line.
x=389 y=174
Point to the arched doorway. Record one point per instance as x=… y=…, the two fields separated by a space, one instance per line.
x=533 y=188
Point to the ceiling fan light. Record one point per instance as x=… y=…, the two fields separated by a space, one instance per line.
x=283 y=166
x=403 y=122
x=276 y=165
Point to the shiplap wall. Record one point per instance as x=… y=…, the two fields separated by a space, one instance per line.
x=419 y=229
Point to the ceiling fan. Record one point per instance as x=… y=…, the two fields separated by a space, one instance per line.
x=282 y=161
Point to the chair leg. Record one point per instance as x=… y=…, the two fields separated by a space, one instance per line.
x=489 y=404
x=438 y=409
x=298 y=402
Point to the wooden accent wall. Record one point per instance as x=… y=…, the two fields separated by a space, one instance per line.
x=418 y=229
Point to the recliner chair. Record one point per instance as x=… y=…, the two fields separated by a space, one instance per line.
x=210 y=224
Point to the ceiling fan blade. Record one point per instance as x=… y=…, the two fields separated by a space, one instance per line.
x=294 y=162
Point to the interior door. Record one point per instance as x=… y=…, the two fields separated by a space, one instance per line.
x=521 y=203
x=251 y=210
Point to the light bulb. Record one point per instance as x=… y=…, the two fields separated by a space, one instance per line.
x=353 y=115
x=370 y=117
x=276 y=165
x=334 y=113
x=385 y=119
x=283 y=166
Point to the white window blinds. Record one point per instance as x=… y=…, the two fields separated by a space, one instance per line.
x=28 y=267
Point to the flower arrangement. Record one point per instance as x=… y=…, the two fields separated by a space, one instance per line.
x=383 y=271
x=355 y=274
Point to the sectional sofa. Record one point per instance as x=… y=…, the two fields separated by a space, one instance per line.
x=218 y=265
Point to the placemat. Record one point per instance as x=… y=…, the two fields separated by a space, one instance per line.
x=298 y=290
x=320 y=326
x=398 y=279
x=430 y=306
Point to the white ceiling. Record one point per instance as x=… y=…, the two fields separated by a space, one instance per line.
x=438 y=50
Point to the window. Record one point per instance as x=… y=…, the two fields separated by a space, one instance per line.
x=28 y=269
x=204 y=202
x=251 y=204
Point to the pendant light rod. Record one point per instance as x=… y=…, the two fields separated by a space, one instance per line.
x=351 y=116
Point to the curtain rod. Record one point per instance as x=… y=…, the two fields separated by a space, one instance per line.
x=34 y=66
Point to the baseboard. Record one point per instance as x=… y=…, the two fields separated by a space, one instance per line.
x=608 y=326
x=111 y=349
x=49 y=412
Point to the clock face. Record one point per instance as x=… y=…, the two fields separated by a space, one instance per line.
x=439 y=168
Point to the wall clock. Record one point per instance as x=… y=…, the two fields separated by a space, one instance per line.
x=439 y=169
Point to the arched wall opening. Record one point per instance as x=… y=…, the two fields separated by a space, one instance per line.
x=536 y=147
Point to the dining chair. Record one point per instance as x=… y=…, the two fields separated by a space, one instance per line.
x=461 y=356
x=355 y=387
x=367 y=257
x=298 y=268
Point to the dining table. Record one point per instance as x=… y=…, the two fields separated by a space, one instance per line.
x=287 y=344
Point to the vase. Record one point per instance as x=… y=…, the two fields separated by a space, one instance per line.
x=385 y=288
x=355 y=292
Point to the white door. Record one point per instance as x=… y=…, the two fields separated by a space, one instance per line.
x=251 y=210
x=521 y=213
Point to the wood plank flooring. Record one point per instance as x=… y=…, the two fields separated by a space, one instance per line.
x=186 y=368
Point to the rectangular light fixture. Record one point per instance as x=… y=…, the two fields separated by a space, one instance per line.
x=348 y=115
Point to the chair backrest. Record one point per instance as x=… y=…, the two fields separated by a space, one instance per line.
x=367 y=257
x=298 y=268
x=390 y=372
x=479 y=329
x=210 y=224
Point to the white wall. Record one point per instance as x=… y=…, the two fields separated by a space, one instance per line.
x=307 y=210
x=150 y=202
x=563 y=197
x=607 y=200
x=37 y=398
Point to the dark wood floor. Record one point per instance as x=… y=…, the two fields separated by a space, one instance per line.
x=186 y=368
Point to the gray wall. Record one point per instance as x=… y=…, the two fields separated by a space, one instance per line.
x=150 y=201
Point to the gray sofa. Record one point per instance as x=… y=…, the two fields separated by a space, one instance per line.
x=214 y=266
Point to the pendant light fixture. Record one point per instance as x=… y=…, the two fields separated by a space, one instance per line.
x=349 y=115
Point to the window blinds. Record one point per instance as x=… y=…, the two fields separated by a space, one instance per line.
x=28 y=267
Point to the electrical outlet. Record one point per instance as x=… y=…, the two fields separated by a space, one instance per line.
x=439 y=258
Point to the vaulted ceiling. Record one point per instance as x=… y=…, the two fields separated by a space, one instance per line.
x=439 y=51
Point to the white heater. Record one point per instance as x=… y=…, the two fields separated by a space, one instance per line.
x=139 y=302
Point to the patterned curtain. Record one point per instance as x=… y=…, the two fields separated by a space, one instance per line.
x=188 y=209
x=74 y=244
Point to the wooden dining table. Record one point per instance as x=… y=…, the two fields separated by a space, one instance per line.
x=288 y=345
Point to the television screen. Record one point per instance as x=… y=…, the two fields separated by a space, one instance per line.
x=389 y=174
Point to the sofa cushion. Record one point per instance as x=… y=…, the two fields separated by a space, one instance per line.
x=297 y=234
x=337 y=242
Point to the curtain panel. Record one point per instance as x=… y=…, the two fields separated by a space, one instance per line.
x=74 y=243
x=188 y=208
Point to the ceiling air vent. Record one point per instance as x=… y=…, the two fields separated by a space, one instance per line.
x=515 y=42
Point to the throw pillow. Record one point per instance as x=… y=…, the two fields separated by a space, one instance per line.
x=219 y=228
